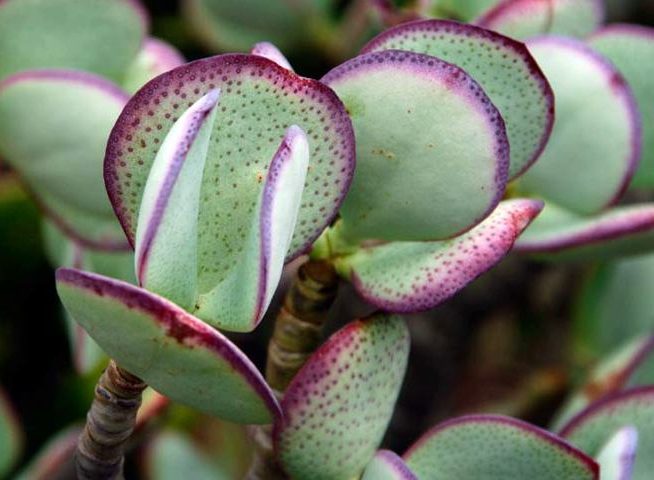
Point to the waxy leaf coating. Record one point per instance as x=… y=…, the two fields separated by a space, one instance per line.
x=433 y=155
x=522 y=19
x=172 y=351
x=97 y=36
x=415 y=276
x=492 y=447
x=503 y=67
x=592 y=428
x=155 y=58
x=631 y=49
x=387 y=465
x=581 y=169
x=618 y=456
x=338 y=406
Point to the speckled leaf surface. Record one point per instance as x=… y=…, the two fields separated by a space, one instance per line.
x=631 y=49
x=503 y=67
x=432 y=151
x=387 y=465
x=528 y=18
x=54 y=126
x=259 y=101
x=416 y=276
x=98 y=36
x=155 y=57
x=559 y=234
x=495 y=447
x=617 y=458
x=172 y=351
x=338 y=406
x=579 y=169
x=592 y=428
x=11 y=435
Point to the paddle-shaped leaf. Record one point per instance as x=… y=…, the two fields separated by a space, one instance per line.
x=415 y=276
x=503 y=67
x=592 y=428
x=631 y=49
x=337 y=407
x=579 y=169
x=562 y=235
x=387 y=465
x=11 y=435
x=155 y=58
x=54 y=126
x=174 y=352
x=527 y=18
x=617 y=457
x=495 y=447
x=433 y=154
x=98 y=36
x=271 y=52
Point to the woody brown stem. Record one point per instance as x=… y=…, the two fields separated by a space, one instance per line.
x=297 y=334
x=109 y=424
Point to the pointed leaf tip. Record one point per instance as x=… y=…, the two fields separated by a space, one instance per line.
x=271 y=52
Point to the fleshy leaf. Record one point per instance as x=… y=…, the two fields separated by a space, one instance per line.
x=241 y=300
x=271 y=52
x=165 y=249
x=562 y=235
x=465 y=10
x=415 y=276
x=97 y=36
x=11 y=436
x=631 y=49
x=495 y=447
x=156 y=57
x=632 y=364
x=593 y=427
x=54 y=126
x=172 y=351
x=528 y=18
x=439 y=167
x=49 y=461
x=387 y=465
x=152 y=404
x=503 y=67
x=259 y=101
x=617 y=457
x=337 y=407
x=579 y=169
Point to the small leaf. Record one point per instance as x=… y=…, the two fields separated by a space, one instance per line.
x=174 y=352
x=48 y=462
x=387 y=465
x=166 y=248
x=503 y=67
x=528 y=18
x=562 y=235
x=631 y=49
x=271 y=52
x=579 y=169
x=439 y=167
x=337 y=407
x=495 y=447
x=156 y=57
x=416 y=276
x=97 y=36
x=593 y=427
x=617 y=457
x=11 y=436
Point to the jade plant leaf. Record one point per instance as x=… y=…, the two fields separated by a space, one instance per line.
x=496 y=447
x=271 y=52
x=503 y=67
x=336 y=409
x=579 y=169
x=97 y=36
x=631 y=49
x=54 y=126
x=11 y=435
x=439 y=167
x=562 y=235
x=528 y=18
x=174 y=352
x=387 y=465
x=464 y=10
x=617 y=458
x=415 y=276
x=155 y=57
x=592 y=428
x=50 y=459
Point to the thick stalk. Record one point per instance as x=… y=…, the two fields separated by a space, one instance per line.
x=109 y=424
x=297 y=334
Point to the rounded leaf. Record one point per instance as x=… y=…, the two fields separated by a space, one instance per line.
x=387 y=465
x=156 y=57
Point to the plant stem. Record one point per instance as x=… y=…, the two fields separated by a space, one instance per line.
x=109 y=424
x=297 y=334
